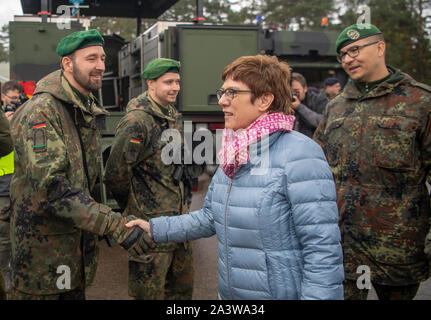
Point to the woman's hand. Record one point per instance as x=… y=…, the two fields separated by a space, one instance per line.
x=140 y=223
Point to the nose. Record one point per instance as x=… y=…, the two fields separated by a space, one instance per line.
x=100 y=65
x=223 y=101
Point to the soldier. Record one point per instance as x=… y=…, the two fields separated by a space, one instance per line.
x=332 y=88
x=142 y=183
x=376 y=136
x=55 y=221
x=6 y=149
x=11 y=100
x=308 y=106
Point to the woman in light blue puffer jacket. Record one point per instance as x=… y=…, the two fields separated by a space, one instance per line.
x=272 y=202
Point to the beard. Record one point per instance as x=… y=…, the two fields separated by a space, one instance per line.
x=85 y=80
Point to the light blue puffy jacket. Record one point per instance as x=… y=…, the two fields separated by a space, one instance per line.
x=277 y=229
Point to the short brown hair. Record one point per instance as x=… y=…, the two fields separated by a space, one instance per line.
x=11 y=85
x=300 y=78
x=263 y=74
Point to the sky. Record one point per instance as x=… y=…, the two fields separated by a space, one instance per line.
x=9 y=8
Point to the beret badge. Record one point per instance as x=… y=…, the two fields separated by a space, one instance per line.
x=353 y=34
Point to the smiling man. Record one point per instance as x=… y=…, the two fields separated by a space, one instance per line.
x=55 y=222
x=376 y=136
x=142 y=183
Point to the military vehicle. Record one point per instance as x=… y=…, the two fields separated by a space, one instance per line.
x=203 y=50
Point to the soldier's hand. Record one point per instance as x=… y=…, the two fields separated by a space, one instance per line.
x=135 y=240
x=140 y=223
x=138 y=242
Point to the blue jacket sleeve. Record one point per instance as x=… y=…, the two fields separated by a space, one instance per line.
x=195 y=225
x=311 y=191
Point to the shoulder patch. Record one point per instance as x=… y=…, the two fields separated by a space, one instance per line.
x=132 y=150
x=39 y=137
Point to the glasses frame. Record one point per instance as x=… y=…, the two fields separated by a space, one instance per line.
x=340 y=57
x=229 y=92
x=12 y=98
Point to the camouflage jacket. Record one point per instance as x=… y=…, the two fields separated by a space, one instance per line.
x=135 y=173
x=379 y=150
x=51 y=203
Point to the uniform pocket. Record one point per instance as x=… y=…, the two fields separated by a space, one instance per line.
x=333 y=130
x=393 y=142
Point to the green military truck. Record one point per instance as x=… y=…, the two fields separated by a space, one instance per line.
x=203 y=50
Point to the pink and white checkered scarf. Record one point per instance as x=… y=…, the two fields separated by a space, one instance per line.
x=235 y=146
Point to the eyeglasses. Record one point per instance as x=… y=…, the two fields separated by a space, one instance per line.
x=353 y=52
x=230 y=93
x=12 y=98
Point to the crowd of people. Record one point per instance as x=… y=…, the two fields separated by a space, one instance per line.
x=312 y=186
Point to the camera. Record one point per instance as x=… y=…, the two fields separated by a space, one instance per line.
x=293 y=96
x=14 y=105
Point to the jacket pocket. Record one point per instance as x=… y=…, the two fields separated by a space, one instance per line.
x=284 y=276
x=393 y=142
x=332 y=131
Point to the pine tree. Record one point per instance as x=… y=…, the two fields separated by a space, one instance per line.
x=293 y=14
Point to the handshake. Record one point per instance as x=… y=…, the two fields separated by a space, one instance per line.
x=131 y=233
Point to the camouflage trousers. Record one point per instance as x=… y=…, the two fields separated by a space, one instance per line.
x=408 y=292
x=5 y=247
x=168 y=276
x=75 y=294
x=2 y=287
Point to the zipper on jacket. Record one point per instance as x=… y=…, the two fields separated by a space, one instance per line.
x=225 y=236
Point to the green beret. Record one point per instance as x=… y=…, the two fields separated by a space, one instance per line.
x=354 y=33
x=79 y=40
x=159 y=67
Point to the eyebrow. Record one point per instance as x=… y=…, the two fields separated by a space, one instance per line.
x=234 y=88
x=91 y=55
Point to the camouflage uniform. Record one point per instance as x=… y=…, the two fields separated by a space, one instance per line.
x=379 y=149
x=54 y=220
x=141 y=182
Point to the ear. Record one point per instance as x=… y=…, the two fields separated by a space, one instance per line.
x=67 y=64
x=265 y=101
x=150 y=84
x=381 y=48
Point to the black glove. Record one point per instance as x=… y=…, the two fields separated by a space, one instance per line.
x=134 y=240
x=138 y=242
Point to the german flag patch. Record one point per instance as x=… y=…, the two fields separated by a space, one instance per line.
x=39 y=137
x=132 y=150
x=40 y=125
x=133 y=140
